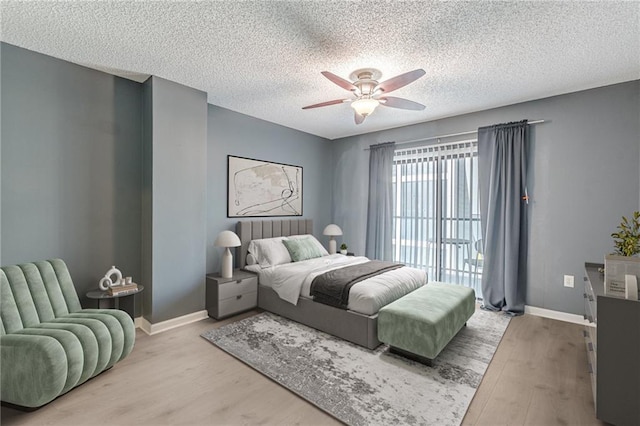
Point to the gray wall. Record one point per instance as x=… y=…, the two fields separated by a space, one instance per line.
x=584 y=170
x=71 y=183
x=231 y=133
x=71 y=155
x=175 y=157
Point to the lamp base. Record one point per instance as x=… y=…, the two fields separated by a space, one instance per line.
x=332 y=245
x=227 y=264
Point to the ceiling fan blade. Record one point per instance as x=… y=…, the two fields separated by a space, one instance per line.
x=322 y=104
x=359 y=118
x=339 y=81
x=400 y=81
x=393 y=102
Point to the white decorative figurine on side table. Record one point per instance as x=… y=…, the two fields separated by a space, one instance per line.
x=106 y=282
x=113 y=291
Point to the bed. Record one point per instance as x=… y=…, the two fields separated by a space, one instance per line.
x=349 y=324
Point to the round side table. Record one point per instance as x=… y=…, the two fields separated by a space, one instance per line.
x=125 y=302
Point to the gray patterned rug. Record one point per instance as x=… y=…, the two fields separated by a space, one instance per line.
x=363 y=387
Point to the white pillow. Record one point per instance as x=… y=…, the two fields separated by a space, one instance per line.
x=269 y=251
x=251 y=260
x=315 y=240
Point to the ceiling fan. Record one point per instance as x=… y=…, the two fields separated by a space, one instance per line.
x=369 y=93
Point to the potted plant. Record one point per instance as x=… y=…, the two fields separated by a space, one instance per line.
x=624 y=263
x=343 y=248
x=627 y=239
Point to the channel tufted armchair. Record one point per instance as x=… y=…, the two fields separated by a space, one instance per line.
x=48 y=343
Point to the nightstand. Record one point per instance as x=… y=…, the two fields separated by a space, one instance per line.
x=229 y=296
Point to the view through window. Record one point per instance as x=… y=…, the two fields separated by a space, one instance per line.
x=436 y=212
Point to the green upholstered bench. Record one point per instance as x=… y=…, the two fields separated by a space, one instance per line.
x=48 y=343
x=420 y=324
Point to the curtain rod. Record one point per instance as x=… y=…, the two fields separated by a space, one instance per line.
x=470 y=132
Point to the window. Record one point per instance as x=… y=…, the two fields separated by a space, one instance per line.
x=436 y=216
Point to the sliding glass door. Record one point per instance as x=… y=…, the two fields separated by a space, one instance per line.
x=436 y=213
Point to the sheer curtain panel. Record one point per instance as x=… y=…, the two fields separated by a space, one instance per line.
x=502 y=162
x=379 y=211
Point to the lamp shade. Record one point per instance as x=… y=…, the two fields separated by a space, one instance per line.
x=227 y=239
x=332 y=230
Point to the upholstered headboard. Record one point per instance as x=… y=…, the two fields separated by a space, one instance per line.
x=253 y=230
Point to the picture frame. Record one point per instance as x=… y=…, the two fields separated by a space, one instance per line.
x=257 y=188
x=616 y=270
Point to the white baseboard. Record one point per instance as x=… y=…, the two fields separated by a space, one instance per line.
x=150 y=329
x=159 y=327
x=556 y=315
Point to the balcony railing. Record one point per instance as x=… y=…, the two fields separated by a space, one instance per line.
x=451 y=258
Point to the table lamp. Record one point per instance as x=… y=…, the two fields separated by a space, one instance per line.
x=227 y=239
x=332 y=231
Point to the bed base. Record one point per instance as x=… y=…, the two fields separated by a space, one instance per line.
x=352 y=326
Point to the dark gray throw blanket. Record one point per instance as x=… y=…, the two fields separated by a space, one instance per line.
x=332 y=288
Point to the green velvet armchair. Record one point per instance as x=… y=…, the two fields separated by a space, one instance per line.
x=48 y=343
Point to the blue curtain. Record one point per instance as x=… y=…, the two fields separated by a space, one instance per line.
x=380 y=211
x=502 y=173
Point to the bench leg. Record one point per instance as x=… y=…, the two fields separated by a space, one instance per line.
x=414 y=357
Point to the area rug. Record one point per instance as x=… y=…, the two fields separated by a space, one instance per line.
x=359 y=386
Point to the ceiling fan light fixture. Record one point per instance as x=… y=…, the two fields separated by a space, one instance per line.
x=365 y=106
x=366 y=91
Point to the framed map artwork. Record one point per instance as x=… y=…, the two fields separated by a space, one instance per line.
x=258 y=188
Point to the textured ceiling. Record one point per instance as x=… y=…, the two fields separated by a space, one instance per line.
x=263 y=58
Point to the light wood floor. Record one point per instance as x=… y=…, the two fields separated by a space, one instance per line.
x=537 y=377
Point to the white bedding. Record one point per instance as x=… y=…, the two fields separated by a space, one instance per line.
x=293 y=280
